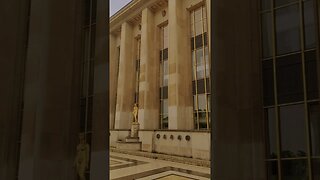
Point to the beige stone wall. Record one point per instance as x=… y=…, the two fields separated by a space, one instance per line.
x=158 y=18
x=198 y=146
x=180 y=68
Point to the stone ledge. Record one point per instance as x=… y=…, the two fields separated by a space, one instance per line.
x=178 y=159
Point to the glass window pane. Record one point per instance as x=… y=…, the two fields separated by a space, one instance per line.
x=201 y=86
x=284 y=2
x=314 y=120
x=316 y=169
x=166 y=73
x=195 y=120
x=311 y=75
x=287 y=29
x=194 y=102
x=270 y=118
x=268 y=86
x=294 y=170
x=272 y=168
x=289 y=79
x=309 y=25
x=198 y=28
x=266 y=35
x=293 y=134
x=202 y=120
x=202 y=102
x=197 y=15
x=209 y=103
x=199 y=41
x=165 y=106
x=265 y=4
x=166 y=37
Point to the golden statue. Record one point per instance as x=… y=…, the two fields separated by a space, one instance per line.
x=135 y=113
x=82 y=158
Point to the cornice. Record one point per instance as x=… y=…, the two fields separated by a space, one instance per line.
x=130 y=11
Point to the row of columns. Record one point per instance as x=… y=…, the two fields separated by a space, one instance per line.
x=180 y=104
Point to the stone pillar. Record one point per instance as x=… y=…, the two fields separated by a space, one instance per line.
x=180 y=68
x=238 y=125
x=126 y=79
x=51 y=97
x=113 y=79
x=149 y=74
x=100 y=126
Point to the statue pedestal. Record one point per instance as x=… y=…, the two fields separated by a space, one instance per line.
x=132 y=141
x=135 y=130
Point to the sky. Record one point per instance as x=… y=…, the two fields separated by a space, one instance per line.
x=116 y=5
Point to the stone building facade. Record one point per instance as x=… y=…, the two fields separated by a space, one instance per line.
x=159 y=58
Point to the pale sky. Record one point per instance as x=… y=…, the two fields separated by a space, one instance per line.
x=116 y=5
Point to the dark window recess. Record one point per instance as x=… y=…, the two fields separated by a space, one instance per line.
x=315 y=169
x=309 y=25
x=288 y=29
x=200 y=86
x=293 y=132
x=266 y=25
x=268 y=87
x=165 y=54
x=164 y=92
x=272 y=170
x=314 y=123
x=294 y=169
x=199 y=41
x=311 y=75
x=270 y=120
x=289 y=79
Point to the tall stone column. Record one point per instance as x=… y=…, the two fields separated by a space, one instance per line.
x=126 y=79
x=180 y=68
x=149 y=74
x=238 y=126
x=113 y=79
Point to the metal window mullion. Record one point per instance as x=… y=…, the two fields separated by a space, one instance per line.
x=278 y=140
x=88 y=69
x=195 y=67
x=302 y=40
x=205 y=68
x=286 y=5
x=162 y=79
